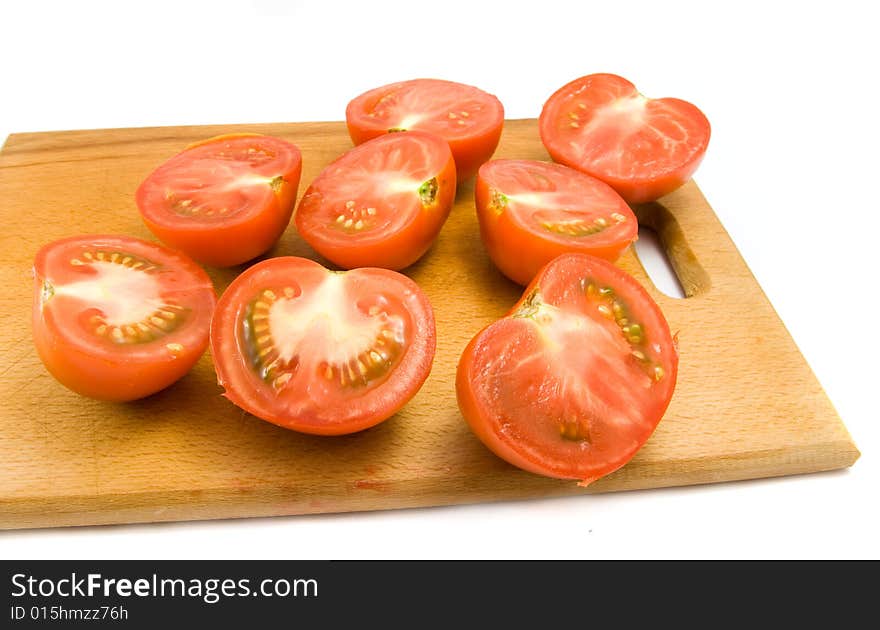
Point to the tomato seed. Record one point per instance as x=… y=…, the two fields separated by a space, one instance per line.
x=577 y=227
x=282 y=380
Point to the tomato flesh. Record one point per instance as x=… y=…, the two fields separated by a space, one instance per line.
x=573 y=381
x=319 y=351
x=225 y=200
x=644 y=148
x=530 y=212
x=381 y=204
x=469 y=119
x=118 y=318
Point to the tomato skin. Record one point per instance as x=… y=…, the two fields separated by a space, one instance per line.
x=470 y=149
x=339 y=412
x=395 y=249
x=660 y=171
x=112 y=374
x=239 y=238
x=485 y=415
x=520 y=249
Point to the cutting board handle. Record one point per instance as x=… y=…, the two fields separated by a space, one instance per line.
x=691 y=275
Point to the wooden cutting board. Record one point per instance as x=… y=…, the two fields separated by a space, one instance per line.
x=747 y=404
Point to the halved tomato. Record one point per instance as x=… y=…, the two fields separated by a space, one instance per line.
x=118 y=318
x=382 y=203
x=225 y=200
x=530 y=212
x=644 y=148
x=322 y=351
x=468 y=118
x=573 y=381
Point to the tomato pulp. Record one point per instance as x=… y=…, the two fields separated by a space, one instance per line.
x=530 y=212
x=573 y=381
x=380 y=204
x=643 y=148
x=320 y=351
x=468 y=118
x=118 y=318
x=225 y=200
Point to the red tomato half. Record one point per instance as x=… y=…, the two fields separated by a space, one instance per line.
x=320 y=351
x=531 y=212
x=381 y=204
x=118 y=318
x=573 y=381
x=644 y=148
x=223 y=201
x=469 y=119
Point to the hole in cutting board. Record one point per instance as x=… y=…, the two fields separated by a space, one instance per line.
x=665 y=253
x=656 y=263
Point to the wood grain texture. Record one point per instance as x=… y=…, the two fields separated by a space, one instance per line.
x=747 y=404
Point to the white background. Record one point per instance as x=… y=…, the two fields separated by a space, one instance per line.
x=792 y=171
